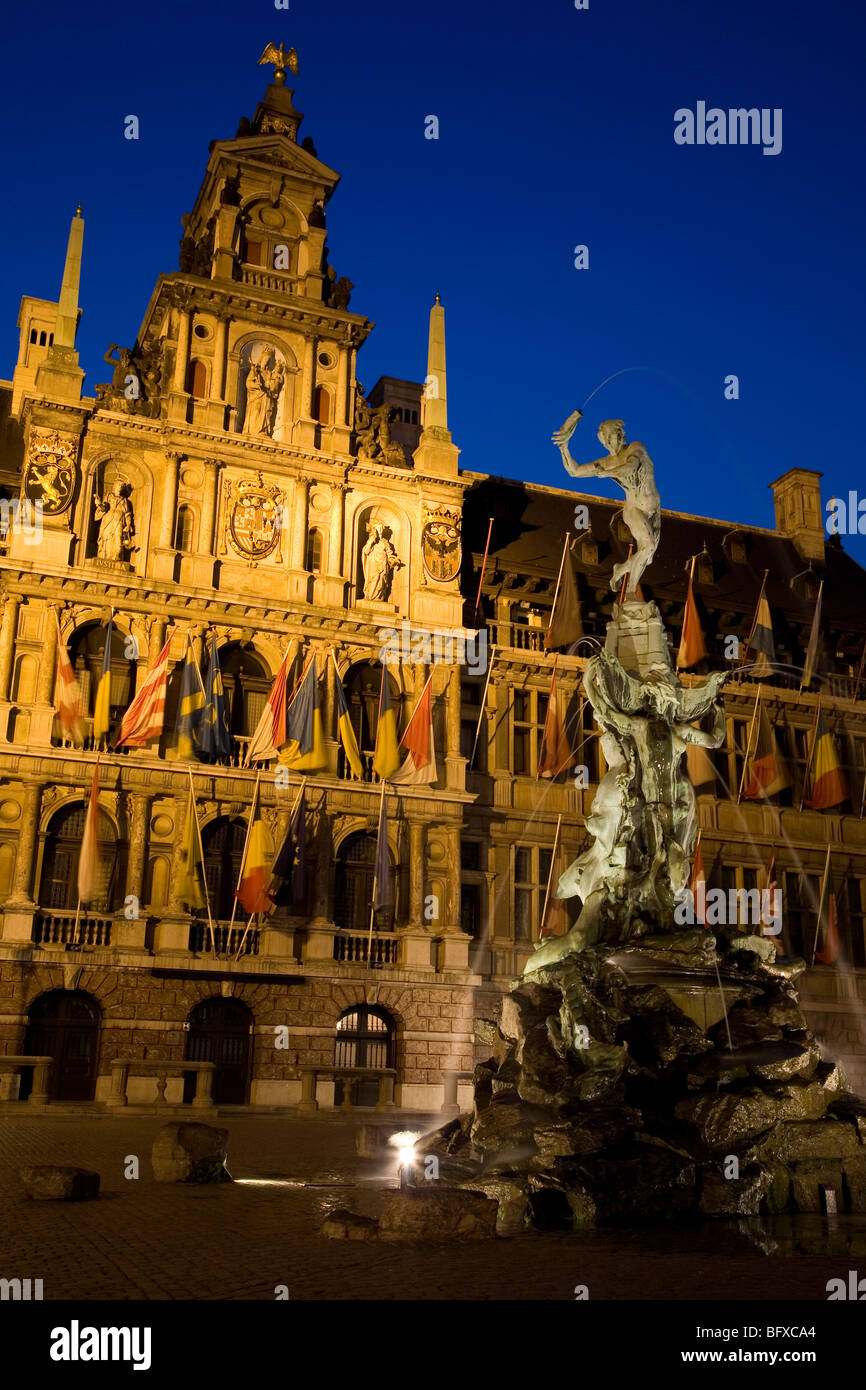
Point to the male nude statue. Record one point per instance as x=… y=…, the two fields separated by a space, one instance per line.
x=631 y=466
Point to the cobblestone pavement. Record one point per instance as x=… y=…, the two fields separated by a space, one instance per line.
x=143 y=1240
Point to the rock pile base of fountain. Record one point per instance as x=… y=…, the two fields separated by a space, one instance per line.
x=617 y=1089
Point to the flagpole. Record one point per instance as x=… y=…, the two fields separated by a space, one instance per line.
x=809 y=648
x=550 y=705
x=863 y=796
x=749 y=746
x=244 y=856
x=550 y=874
x=812 y=740
x=483 y=704
x=483 y=567
x=201 y=853
x=375 y=879
x=75 y=927
x=821 y=903
x=860 y=672
x=556 y=590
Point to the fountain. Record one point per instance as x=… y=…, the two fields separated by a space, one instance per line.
x=644 y=1067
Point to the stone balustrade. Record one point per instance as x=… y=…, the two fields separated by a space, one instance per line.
x=311 y=1076
x=121 y=1070
x=11 y=1066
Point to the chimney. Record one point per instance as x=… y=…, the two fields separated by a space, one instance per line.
x=797 y=498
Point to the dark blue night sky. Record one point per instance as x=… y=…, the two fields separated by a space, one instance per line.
x=556 y=129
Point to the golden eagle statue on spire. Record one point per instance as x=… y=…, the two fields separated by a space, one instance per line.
x=281 y=60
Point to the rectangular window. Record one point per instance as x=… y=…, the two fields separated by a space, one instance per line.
x=470 y=908
x=531 y=872
x=529 y=711
x=254 y=253
x=470 y=854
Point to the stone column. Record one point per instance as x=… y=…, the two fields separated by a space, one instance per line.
x=25 y=862
x=455 y=764
x=208 y=505
x=341 y=416
x=168 y=520
x=48 y=661
x=218 y=374
x=416 y=873
x=334 y=582
x=139 y=814
x=299 y=523
x=8 y=634
x=181 y=360
x=452 y=911
x=156 y=641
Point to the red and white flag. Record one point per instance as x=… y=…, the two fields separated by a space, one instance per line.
x=89 y=862
x=67 y=695
x=418 y=768
x=270 y=732
x=143 y=721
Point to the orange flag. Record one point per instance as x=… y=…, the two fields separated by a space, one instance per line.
x=419 y=766
x=68 y=697
x=555 y=751
x=692 y=644
x=270 y=732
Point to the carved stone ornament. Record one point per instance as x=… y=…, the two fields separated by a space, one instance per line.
x=253 y=516
x=51 y=472
x=440 y=544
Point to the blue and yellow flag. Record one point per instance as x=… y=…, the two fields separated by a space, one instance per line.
x=344 y=728
x=215 y=740
x=386 y=758
x=189 y=707
x=102 y=707
x=305 y=738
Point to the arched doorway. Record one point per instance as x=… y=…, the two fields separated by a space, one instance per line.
x=64 y=1024
x=58 y=883
x=365 y=1038
x=353 y=886
x=221 y=1031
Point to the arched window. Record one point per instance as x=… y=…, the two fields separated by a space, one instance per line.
x=362 y=685
x=315 y=547
x=365 y=1038
x=223 y=842
x=58 y=888
x=86 y=652
x=353 y=886
x=322 y=405
x=246 y=685
x=196 y=378
x=183 y=529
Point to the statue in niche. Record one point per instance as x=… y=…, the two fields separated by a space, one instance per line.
x=116 y=523
x=631 y=466
x=379 y=560
x=264 y=382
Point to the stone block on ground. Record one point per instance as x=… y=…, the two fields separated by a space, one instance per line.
x=512 y=1198
x=190 y=1153
x=433 y=1213
x=58 y=1183
x=348 y=1225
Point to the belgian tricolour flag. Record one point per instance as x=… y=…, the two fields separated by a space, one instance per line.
x=768 y=771
x=256 y=874
x=828 y=785
x=761 y=642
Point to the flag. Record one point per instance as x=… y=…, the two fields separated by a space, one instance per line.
x=814 y=641
x=386 y=758
x=67 y=696
x=289 y=872
x=829 y=927
x=102 y=707
x=189 y=707
x=555 y=753
x=767 y=769
x=384 y=897
x=190 y=884
x=344 y=727
x=305 y=736
x=252 y=892
x=566 y=625
x=419 y=765
x=699 y=765
x=215 y=740
x=143 y=721
x=769 y=915
x=698 y=885
x=828 y=784
x=761 y=642
x=89 y=860
x=270 y=732
x=692 y=645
